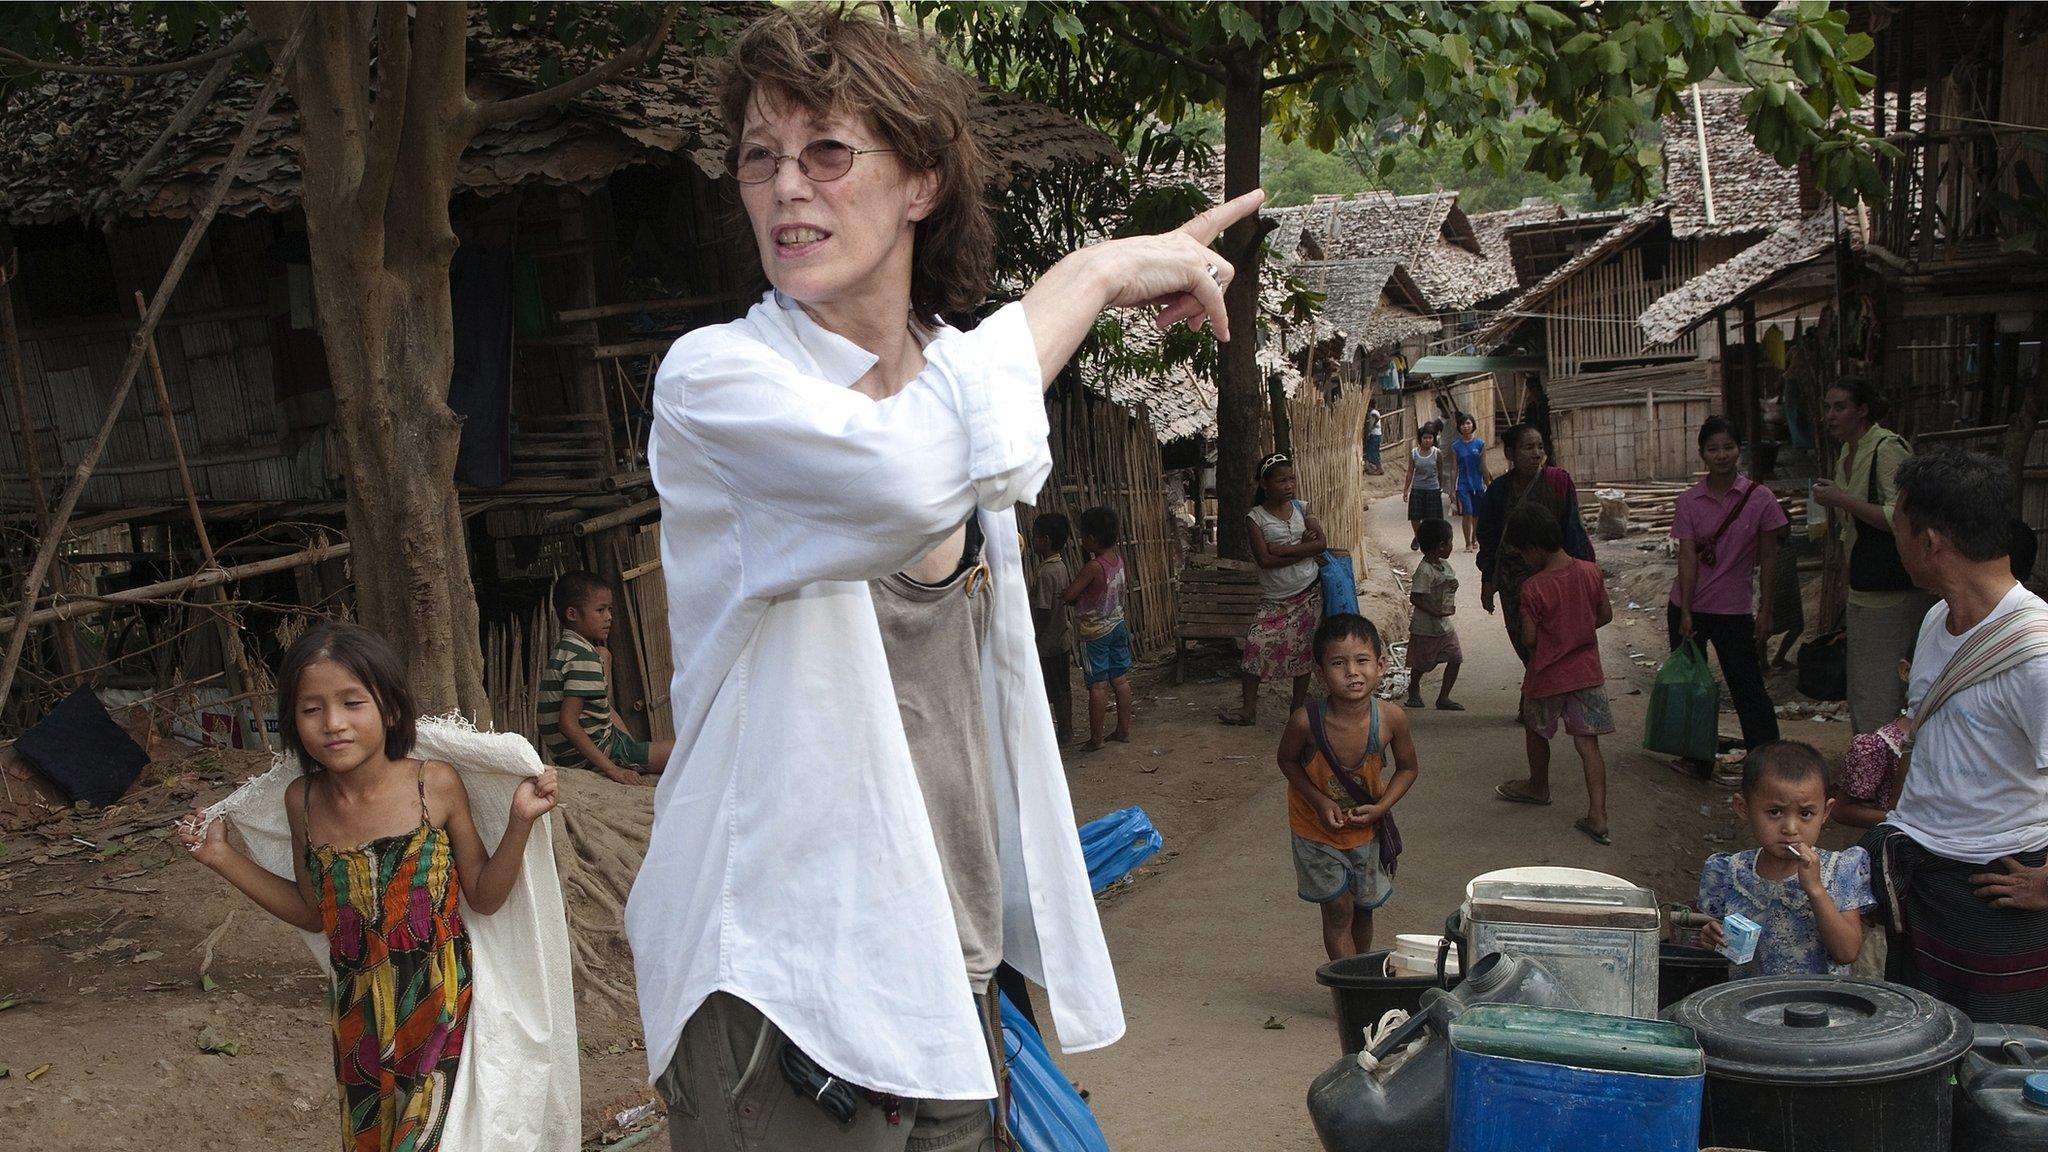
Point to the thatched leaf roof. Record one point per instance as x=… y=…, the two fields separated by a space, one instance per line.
x=66 y=142
x=1751 y=192
x=1727 y=282
x=1533 y=297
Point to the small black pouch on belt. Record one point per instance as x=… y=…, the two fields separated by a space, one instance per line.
x=835 y=1097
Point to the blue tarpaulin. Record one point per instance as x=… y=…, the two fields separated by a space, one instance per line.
x=1114 y=844
x=1046 y=1114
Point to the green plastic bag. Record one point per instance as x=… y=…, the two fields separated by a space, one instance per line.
x=1685 y=707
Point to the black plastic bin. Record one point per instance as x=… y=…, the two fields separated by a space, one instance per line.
x=1826 y=1064
x=1364 y=992
x=1682 y=971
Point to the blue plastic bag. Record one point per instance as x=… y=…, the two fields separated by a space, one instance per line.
x=1112 y=845
x=1338 y=578
x=1046 y=1114
x=1340 y=584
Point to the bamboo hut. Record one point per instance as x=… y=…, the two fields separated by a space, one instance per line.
x=592 y=234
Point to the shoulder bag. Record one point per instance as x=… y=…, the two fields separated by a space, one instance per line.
x=1387 y=836
x=1874 y=564
x=1705 y=549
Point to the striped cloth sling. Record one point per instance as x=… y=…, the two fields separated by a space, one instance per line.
x=1964 y=951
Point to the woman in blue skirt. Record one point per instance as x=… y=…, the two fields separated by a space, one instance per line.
x=1469 y=452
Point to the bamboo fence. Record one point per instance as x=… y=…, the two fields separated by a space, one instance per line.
x=1105 y=455
x=1328 y=447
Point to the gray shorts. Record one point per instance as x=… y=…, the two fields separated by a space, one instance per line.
x=1323 y=874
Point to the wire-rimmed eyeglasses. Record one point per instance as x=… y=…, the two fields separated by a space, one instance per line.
x=820 y=160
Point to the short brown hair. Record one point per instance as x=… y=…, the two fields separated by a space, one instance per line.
x=829 y=62
x=362 y=654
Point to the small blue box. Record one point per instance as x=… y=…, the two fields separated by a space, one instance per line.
x=1739 y=935
x=1528 y=1079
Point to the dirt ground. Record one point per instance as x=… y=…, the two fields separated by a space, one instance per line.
x=105 y=930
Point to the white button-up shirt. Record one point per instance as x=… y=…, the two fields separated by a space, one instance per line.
x=792 y=862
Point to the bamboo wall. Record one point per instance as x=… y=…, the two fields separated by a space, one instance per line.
x=1619 y=441
x=1103 y=454
x=1593 y=314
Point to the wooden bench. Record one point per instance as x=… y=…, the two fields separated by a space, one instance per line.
x=1218 y=601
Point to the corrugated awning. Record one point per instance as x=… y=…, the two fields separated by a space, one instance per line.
x=1468 y=365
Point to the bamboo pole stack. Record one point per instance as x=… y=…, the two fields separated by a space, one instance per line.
x=1329 y=463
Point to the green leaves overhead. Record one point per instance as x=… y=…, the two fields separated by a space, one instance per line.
x=1333 y=70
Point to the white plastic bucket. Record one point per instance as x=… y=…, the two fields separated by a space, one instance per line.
x=1415 y=955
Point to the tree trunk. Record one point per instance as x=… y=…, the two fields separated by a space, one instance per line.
x=375 y=183
x=1240 y=394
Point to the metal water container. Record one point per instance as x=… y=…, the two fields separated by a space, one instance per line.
x=1598 y=941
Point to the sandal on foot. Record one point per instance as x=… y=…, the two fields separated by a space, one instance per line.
x=1688 y=769
x=1516 y=795
x=1236 y=720
x=1412 y=702
x=1449 y=706
x=1585 y=824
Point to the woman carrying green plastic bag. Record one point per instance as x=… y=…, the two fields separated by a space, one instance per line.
x=1685 y=707
x=1727 y=528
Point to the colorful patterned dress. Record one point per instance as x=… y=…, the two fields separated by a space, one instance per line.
x=399 y=1000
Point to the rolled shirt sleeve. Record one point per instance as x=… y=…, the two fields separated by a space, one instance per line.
x=826 y=483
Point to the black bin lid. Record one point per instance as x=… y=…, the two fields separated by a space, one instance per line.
x=1821 y=1030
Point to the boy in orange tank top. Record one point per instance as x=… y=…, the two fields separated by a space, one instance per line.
x=1340 y=804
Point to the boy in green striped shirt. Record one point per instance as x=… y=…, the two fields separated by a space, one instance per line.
x=574 y=709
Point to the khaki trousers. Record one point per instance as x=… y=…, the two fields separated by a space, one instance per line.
x=725 y=1093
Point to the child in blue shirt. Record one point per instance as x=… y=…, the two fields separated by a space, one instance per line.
x=1808 y=901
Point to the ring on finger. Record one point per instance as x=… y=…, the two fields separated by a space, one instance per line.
x=1214 y=272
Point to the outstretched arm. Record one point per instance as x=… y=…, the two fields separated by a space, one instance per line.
x=292 y=901
x=1169 y=271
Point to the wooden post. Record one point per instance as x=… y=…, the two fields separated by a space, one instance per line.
x=53 y=532
x=239 y=678
x=67 y=643
x=29 y=457
x=1752 y=388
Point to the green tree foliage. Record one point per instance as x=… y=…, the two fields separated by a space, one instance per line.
x=1292 y=172
x=1322 y=71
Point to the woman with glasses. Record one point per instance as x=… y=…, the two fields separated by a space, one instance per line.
x=867 y=811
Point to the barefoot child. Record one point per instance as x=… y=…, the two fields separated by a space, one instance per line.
x=383 y=844
x=1285 y=542
x=1049 y=536
x=1340 y=800
x=1097 y=595
x=1433 y=596
x=1564 y=605
x=1807 y=900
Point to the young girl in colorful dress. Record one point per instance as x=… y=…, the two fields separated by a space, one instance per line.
x=1469 y=452
x=383 y=845
x=1285 y=542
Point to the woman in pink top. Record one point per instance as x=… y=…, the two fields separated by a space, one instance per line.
x=1727 y=527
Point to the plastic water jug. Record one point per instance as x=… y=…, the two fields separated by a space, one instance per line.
x=2002 y=1091
x=1391 y=1099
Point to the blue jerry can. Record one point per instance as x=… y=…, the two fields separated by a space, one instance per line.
x=1528 y=1079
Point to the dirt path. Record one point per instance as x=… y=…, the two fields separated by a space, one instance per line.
x=1217 y=944
x=102 y=936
